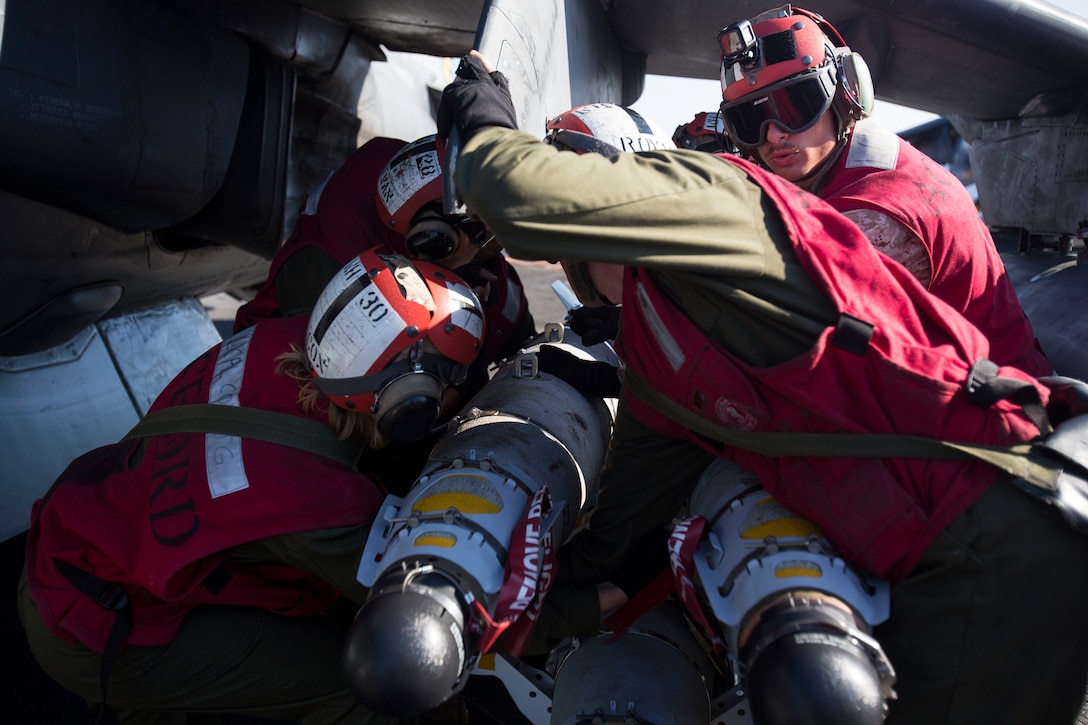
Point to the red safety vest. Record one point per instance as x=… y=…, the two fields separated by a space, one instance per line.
x=908 y=379
x=157 y=518
x=896 y=179
x=341 y=218
x=504 y=308
x=338 y=216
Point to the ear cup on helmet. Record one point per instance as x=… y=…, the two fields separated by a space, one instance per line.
x=407 y=408
x=856 y=84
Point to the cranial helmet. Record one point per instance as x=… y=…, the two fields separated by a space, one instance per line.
x=409 y=201
x=410 y=180
x=605 y=128
x=788 y=66
x=705 y=132
x=387 y=335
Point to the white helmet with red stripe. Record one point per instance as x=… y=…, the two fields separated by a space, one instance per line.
x=388 y=334
x=410 y=180
x=409 y=201
x=606 y=129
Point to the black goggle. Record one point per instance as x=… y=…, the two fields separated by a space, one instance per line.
x=795 y=106
x=432 y=245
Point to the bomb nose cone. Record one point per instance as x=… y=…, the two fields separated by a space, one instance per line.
x=814 y=678
x=404 y=654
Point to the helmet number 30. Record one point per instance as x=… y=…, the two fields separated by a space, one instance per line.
x=373 y=304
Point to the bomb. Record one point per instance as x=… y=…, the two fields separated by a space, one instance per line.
x=657 y=672
x=466 y=555
x=797 y=618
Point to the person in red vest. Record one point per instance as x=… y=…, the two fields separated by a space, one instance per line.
x=180 y=572
x=796 y=100
x=752 y=306
x=388 y=193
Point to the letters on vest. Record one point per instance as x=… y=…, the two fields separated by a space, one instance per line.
x=144 y=513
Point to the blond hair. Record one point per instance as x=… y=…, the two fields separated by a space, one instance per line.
x=344 y=423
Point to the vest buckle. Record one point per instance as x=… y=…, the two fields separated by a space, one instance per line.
x=112 y=597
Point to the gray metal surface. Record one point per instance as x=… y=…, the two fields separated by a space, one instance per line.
x=62 y=402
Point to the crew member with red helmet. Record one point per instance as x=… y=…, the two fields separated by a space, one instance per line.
x=754 y=310
x=796 y=99
x=409 y=204
x=705 y=132
x=606 y=129
x=205 y=565
x=389 y=193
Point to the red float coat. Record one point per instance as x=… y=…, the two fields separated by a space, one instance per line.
x=880 y=171
x=158 y=519
x=341 y=218
x=882 y=514
x=338 y=216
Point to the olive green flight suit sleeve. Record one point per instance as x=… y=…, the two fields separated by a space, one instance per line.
x=668 y=210
x=707 y=232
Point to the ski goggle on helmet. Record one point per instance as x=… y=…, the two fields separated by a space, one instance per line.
x=409 y=201
x=606 y=129
x=782 y=68
x=388 y=335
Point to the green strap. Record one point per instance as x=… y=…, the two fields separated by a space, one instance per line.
x=1020 y=460
x=262 y=425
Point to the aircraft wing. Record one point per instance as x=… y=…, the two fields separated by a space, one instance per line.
x=145 y=154
x=983 y=59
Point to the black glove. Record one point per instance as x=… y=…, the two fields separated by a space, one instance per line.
x=643 y=563
x=595 y=324
x=588 y=377
x=475 y=100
